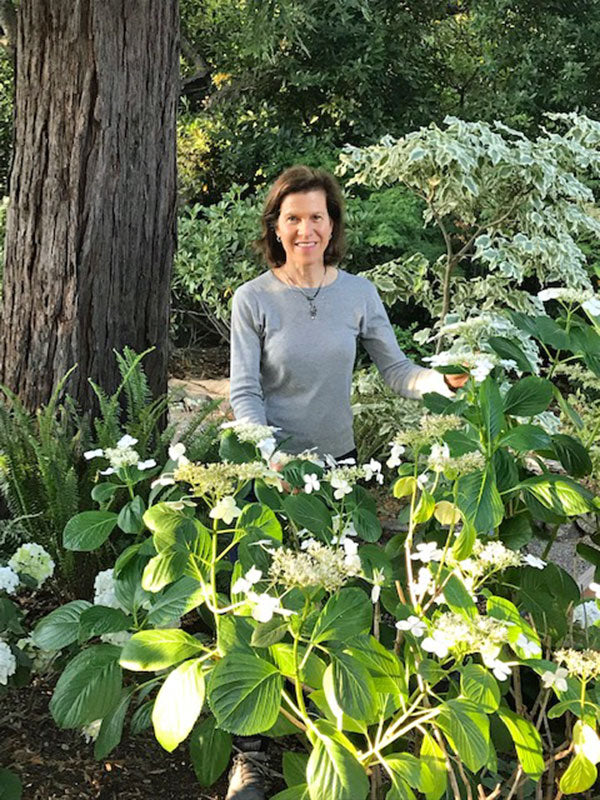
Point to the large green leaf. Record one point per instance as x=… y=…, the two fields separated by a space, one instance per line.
x=526 y=437
x=480 y=687
x=353 y=686
x=308 y=512
x=294 y=767
x=148 y=651
x=311 y=672
x=527 y=742
x=89 y=687
x=479 y=500
x=467 y=730
x=432 y=756
x=231 y=449
x=97 y=620
x=11 y=787
x=506 y=348
x=580 y=776
x=490 y=403
x=560 y=494
x=345 y=614
x=165 y=568
x=164 y=519
x=298 y=792
x=528 y=397
x=130 y=518
x=572 y=455
x=457 y=596
x=177 y=600
x=256 y=515
x=210 y=751
x=111 y=729
x=178 y=704
x=88 y=530
x=366 y=524
x=61 y=627
x=245 y=694
x=333 y=772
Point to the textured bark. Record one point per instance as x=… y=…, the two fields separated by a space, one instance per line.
x=91 y=224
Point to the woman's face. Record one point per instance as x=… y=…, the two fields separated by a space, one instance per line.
x=304 y=227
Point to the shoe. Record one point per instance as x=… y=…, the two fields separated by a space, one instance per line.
x=245 y=778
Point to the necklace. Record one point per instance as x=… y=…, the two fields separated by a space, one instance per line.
x=312 y=309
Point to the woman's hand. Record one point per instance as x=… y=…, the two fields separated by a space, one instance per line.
x=456 y=380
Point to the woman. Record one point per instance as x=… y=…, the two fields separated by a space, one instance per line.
x=294 y=328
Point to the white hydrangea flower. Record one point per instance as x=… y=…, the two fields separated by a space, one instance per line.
x=484 y=364
x=556 y=680
x=89 y=454
x=595 y=588
x=311 y=483
x=163 y=480
x=373 y=470
x=426 y=552
x=265 y=606
x=412 y=625
x=226 y=509
x=90 y=732
x=147 y=464
x=563 y=293
x=243 y=585
x=176 y=454
x=592 y=306
x=31 y=559
x=125 y=442
x=8 y=663
x=439 y=457
x=394 y=460
x=530 y=648
x=439 y=643
x=9 y=580
x=500 y=669
x=251 y=432
x=586 y=614
x=104 y=590
x=340 y=486
x=533 y=561
x=423 y=480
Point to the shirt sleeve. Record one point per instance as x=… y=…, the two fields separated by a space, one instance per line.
x=245 y=394
x=401 y=374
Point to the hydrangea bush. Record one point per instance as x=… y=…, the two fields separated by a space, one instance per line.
x=430 y=663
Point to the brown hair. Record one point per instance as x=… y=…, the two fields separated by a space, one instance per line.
x=302 y=179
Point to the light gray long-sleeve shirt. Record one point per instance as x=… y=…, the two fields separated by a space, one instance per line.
x=295 y=373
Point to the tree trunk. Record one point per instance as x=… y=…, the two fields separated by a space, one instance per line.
x=91 y=225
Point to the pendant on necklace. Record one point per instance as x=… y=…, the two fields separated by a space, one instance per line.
x=312 y=309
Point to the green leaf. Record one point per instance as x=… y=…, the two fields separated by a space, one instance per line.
x=88 y=530
x=163 y=569
x=234 y=633
x=311 y=673
x=125 y=558
x=231 y=449
x=516 y=532
x=294 y=768
x=299 y=792
x=130 y=518
x=179 y=599
x=103 y=492
x=268 y=633
x=560 y=494
x=432 y=756
x=11 y=787
x=245 y=694
x=506 y=348
x=528 y=397
x=549 y=332
x=463 y=546
x=460 y=443
x=141 y=719
x=308 y=512
x=333 y=771
x=111 y=729
x=425 y=508
x=148 y=651
x=465 y=729
x=457 y=596
x=97 y=620
x=490 y=403
x=89 y=688
x=210 y=751
x=61 y=627
x=178 y=704
x=480 y=687
x=572 y=455
x=256 y=515
x=479 y=500
x=353 y=686
x=526 y=437
x=580 y=776
x=345 y=614
x=367 y=524
x=268 y=495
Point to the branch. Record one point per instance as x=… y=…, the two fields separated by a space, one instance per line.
x=8 y=22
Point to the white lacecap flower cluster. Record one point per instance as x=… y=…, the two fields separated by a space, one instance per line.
x=479 y=364
x=32 y=560
x=8 y=663
x=123 y=455
x=586 y=297
x=261 y=436
x=264 y=605
x=226 y=509
x=316 y=565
